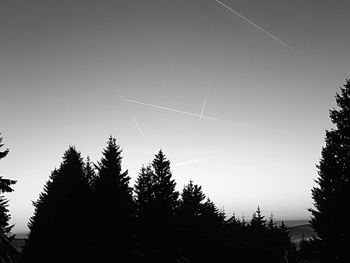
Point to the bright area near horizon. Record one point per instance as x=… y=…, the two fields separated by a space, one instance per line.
x=63 y=62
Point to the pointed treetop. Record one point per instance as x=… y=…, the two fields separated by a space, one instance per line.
x=191 y=199
x=258 y=219
x=111 y=156
x=271 y=224
x=161 y=166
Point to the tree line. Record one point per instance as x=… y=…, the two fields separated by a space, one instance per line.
x=89 y=212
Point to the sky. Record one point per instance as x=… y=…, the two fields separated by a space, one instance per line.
x=72 y=71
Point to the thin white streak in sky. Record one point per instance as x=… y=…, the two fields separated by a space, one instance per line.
x=193 y=114
x=260 y=28
x=194 y=161
x=205 y=102
x=163 y=108
x=133 y=117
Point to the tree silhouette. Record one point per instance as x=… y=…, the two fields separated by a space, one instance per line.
x=189 y=213
x=145 y=193
x=59 y=226
x=113 y=200
x=331 y=215
x=166 y=197
x=258 y=222
x=5 y=187
x=258 y=236
x=284 y=246
x=157 y=203
x=236 y=239
x=191 y=203
x=166 y=202
x=87 y=213
x=89 y=172
x=145 y=211
x=211 y=227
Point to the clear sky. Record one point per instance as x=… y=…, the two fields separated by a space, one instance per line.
x=63 y=62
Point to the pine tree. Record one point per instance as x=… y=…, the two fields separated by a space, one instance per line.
x=258 y=221
x=145 y=210
x=271 y=225
x=145 y=193
x=166 y=197
x=287 y=247
x=89 y=172
x=191 y=202
x=166 y=204
x=258 y=236
x=211 y=227
x=113 y=200
x=189 y=213
x=157 y=203
x=212 y=215
x=236 y=236
x=5 y=187
x=331 y=215
x=59 y=227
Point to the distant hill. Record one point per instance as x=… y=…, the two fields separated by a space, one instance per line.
x=292 y=223
x=300 y=231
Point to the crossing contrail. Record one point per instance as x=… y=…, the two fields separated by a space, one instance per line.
x=205 y=102
x=192 y=114
x=260 y=28
x=133 y=117
x=161 y=107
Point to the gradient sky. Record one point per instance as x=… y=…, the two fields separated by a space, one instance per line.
x=63 y=62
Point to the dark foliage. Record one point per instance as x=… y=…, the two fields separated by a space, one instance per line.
x=5 y=187
x=332 y=210
x=60 y=224
x=157 y=203
x=191 y=224
x=114 y=203
x=88 y=216
x=309 y=250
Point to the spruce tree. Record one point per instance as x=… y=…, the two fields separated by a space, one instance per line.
x=5 y=187
x=236 y=239
x=258 y=221
x=166 y=197
x=157 y=203
x=113 y=199
x=331 y=215
x=89 y=172
x=59 y=227
x=166 y=204
x=287 y=249
x=145 y=193
x=144 y=189
x=211 y=226
x=258 y=235
x=189 y=213
x=191 y=203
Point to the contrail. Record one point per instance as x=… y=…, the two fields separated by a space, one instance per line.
x=198 y=160
x=205 y=102
x=134 y=118
x=230 y=122
x=163 y=108
x=193 y=114
x=260 y=28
